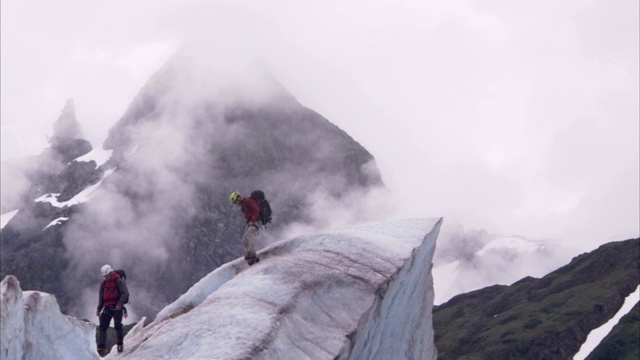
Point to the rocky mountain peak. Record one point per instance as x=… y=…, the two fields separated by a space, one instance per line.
x=196 y=131
x=67 y=125
x=67 y=142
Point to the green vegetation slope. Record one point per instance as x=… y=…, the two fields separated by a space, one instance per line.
x=547 y=318
x=623 y=342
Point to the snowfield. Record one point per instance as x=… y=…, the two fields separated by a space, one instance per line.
x=359 y=293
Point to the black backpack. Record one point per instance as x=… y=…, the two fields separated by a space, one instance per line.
x=263 y=205
x=123 y=276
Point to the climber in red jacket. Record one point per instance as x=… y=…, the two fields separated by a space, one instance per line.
x=251 y=212
x=112 y=297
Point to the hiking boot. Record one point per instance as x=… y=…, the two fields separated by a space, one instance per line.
x=103 y=352
x=253 y=260
x=120 y=348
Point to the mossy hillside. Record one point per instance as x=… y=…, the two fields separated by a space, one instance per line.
x=539 y=318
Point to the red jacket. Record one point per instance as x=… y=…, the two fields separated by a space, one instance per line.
x=250 y=209
x=112 y=292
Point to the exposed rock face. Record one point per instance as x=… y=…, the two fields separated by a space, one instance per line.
x=547 y=318
x=191 y=137
x=53 y=170
x=68 y=149
x=67 y=126
x=75 y=177
x=30 y=249
x=221 y=128
x=67 y=142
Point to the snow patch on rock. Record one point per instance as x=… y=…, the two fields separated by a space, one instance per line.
x=5 y=218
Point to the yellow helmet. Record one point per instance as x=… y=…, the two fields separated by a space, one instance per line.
x=233 y=197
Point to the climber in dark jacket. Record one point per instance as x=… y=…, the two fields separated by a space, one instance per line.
x=112 y=297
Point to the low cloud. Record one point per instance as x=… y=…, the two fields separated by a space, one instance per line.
x=523 y=127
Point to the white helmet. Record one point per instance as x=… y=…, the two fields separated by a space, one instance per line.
x=106 y=270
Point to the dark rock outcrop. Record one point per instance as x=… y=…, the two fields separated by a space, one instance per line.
x=67 y=142
x=68 y=149
x=31 y=247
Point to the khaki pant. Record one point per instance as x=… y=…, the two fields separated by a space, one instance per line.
x=249 y=238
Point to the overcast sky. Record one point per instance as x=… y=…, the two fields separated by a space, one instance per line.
x=519 y=117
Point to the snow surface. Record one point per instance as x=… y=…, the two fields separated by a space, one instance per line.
x=346 y=294
x=360 y=293
x=444 y=280
x=32 y=327
x=81 y=197
x=5 y=218
x=99 y=155
x=597 y=335
x=57 y=221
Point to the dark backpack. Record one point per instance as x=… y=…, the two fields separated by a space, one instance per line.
x=123 y=276
x=263 y=206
